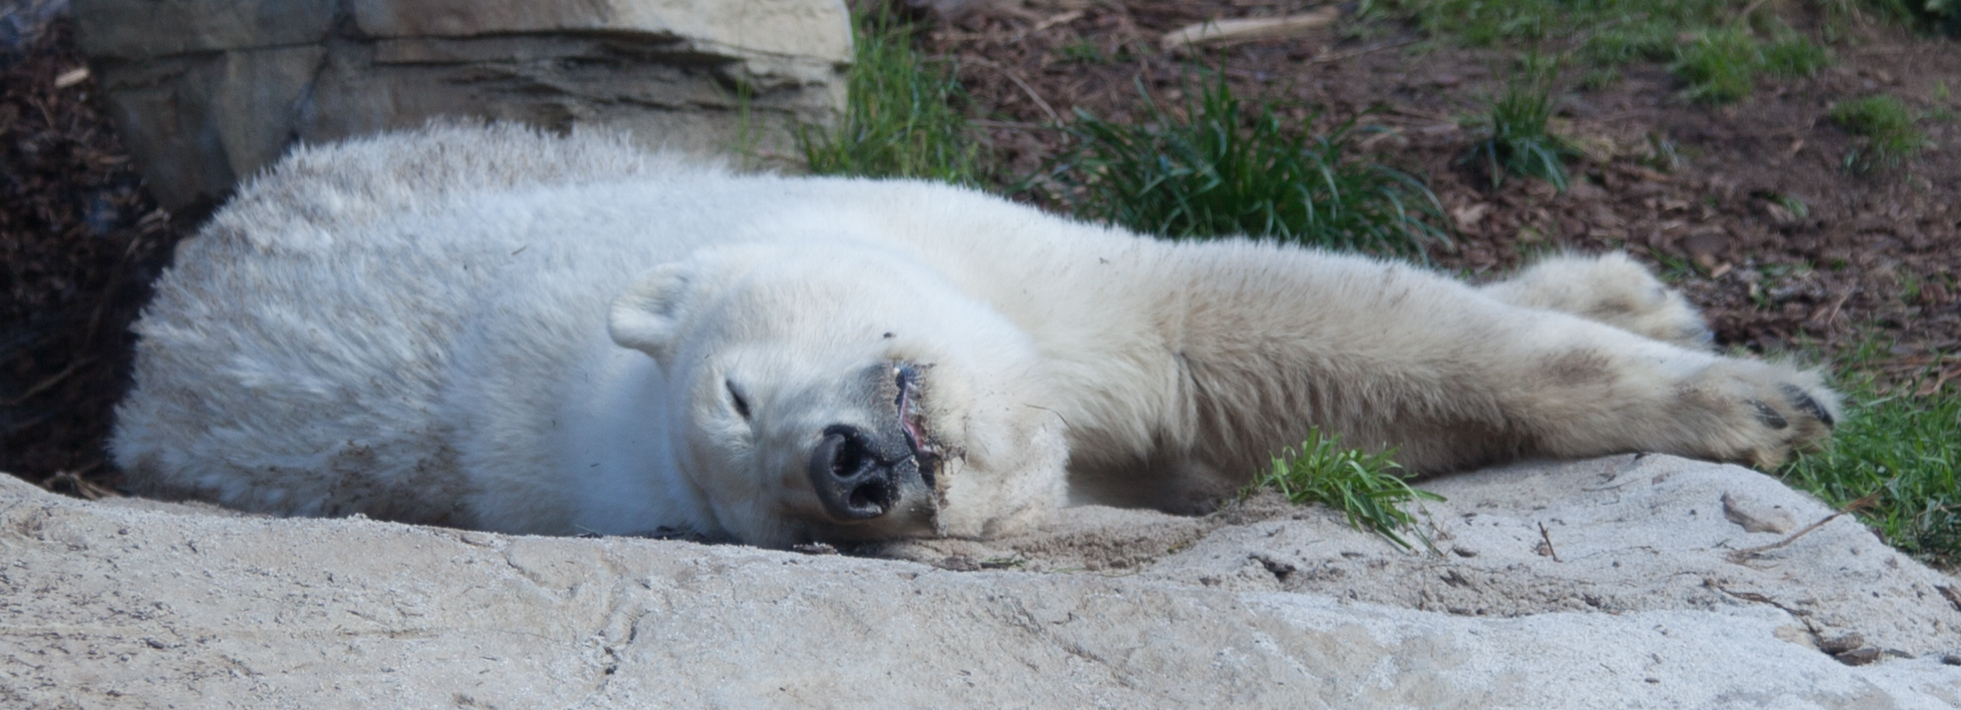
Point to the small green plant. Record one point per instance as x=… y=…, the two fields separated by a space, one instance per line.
x=900 y=117
x=1085 y=52
x=1886 y=128
x=1362 y=486
x=1674 y=269
x=1661 y=154
x=1783 y=207
x=1795 y=57
x=1597 y=79
x=1233 y=166
x=1722 y=65
x=1719 y=65
x=1517 y=138
x=1621 y=44
x=1904 y=446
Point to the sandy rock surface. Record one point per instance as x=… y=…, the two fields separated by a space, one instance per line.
x=1639 y=600
x=207 y=92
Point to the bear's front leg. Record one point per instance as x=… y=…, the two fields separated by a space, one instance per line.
x=1454 y=377
x=1573 y=388
x=1749 y=405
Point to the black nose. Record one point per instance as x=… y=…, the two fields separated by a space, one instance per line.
x=849 y=477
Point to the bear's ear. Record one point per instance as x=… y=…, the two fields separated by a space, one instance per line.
x=646 y=316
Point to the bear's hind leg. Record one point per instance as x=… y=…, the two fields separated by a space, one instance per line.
x=1611 y=289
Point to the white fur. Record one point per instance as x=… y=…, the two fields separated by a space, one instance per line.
x=488 y=328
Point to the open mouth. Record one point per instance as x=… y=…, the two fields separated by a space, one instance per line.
x=913 y=421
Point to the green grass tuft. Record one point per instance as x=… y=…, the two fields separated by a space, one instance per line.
x=1795 y=57
x=1722 y=65
x=1719 y=65
x=1362 y=486
x=1904 y=447
x=1887 y=130
x=1720 y=59
x=1083 y=51
x=1517 y=139
x=1622 y=44
x=1232 y=166
x=900 y=118
x=1646 y=25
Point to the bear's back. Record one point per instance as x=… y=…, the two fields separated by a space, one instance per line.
x=294 y=358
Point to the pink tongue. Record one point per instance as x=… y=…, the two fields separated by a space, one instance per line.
x=909 y=420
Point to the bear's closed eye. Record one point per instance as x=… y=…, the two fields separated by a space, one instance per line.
x=736 y=399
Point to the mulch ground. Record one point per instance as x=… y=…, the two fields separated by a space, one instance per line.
x=80 y=239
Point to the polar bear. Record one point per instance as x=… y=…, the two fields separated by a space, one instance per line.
x=487 y=327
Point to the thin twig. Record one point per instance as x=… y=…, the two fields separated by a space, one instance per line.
x=1016 y=78
x=43 y=385
x=1547 y=537
x=1359 y=52
x=1743 y=554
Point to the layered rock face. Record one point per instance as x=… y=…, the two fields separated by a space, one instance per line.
x=1625 y=582
x=210 y=91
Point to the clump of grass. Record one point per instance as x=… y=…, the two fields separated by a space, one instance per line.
x=1232 y=166
x=1722 y=65
x=1906 y=448
x=1661 y=154
x=1084 y=51
x=1795 y=57
x=1362 y=486
x=1719 y=65
x=1622 y=44
x=900 y=118
x=1649 y=23
x=1720 y=60
x=1597 y=79
x=1517 y=138
x=1887 y=130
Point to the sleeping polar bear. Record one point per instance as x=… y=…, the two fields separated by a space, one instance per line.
x=488 y=328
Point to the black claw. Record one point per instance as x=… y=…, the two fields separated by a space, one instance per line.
x=1769 y=416
x=1803 y=401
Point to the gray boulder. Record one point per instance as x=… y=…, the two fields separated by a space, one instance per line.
x=1633 y=596
x=209 y=91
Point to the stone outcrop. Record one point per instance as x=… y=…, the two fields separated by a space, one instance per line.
x=209 y=91
x=1601 y=584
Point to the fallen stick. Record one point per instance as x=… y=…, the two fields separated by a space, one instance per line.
x=1743 y=554
x=1547 y=538
x=1220 y=31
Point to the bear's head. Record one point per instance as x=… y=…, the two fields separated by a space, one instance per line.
x=830 y=390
